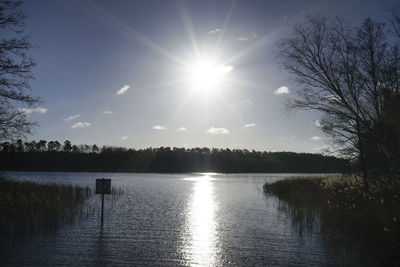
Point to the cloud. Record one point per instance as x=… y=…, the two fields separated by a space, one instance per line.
x=214 y=130
x=32 y=110
x=70 y=118
x=214 y=31
x=292 y=136
x=159 y=127
x=248 y=101
x=249 y=125
x=247 y=37
x=243 y=38
x=123 y=138
x=181 y=129
x=315 y=138
x=80 y=125
x=123 y=90
x=282 y=90
x=108 y=112
x=317 y=123
x=225 y=69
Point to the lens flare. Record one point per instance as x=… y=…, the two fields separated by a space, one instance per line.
x=208 y=75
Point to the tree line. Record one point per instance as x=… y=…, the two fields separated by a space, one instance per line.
x=51 y=146
x=54 y=156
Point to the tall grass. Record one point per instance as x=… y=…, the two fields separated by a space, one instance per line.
x=341 y=206
x=28 y=198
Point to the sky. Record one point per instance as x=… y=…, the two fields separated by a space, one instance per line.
x=173 y=73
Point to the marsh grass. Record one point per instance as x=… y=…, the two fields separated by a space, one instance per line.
x=341 y=208
x=28 y=198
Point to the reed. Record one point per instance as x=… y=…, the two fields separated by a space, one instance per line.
x=25 y=197
x=341 y=205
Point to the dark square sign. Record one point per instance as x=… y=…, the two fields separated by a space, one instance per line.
x=103 y=186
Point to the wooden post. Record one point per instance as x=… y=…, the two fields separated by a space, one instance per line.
x=102 y=208
x=103 y=186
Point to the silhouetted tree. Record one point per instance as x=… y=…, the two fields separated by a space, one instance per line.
x=95 y=149
x=30 y=146
x=345 y=73
x=57 y=146
x=5 y=147
x=20 y=146
x=53 y=146
x=41 y=146
x=67 y=146
x=15 y=73
x=75 y=149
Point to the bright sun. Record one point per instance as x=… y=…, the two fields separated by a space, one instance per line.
x=207 y=75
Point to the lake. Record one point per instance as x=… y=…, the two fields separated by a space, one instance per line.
x=169 y=219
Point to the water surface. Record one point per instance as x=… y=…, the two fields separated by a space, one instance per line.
x=169 y=219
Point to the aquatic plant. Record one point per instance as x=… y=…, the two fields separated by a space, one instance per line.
x=340 y=205
x=26 y=197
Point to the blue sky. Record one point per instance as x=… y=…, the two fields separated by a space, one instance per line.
x=153 y=54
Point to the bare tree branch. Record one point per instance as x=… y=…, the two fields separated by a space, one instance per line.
x=352 y=76
x=15 y=74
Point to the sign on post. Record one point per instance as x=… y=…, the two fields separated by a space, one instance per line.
x=103 y=186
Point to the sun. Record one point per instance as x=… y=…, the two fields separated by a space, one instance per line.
x=207 y=74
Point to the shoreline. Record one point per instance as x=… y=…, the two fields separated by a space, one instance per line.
x=149 y=172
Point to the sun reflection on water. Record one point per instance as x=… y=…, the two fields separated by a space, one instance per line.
x=201 y=249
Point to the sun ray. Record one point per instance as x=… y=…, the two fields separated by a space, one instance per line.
x=206 y=79
x=130 y=32
x=224 y=28
x=261 y=43
x=188 y=24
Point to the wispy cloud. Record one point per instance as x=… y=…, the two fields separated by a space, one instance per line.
x=249 y=125
x=181 y=129
x=80 y=125
x=317 y=123
x=247 y=37
x=243 y=38
x=70 y=118
x=214 y=130
x=32 y=110
x=123 y=90
x=108 y=112
x=159 y=127
x=214 y=31
x=315 y=138
x=225 y=69
x=248 y=101
x=282 y=90
x=124 y=138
